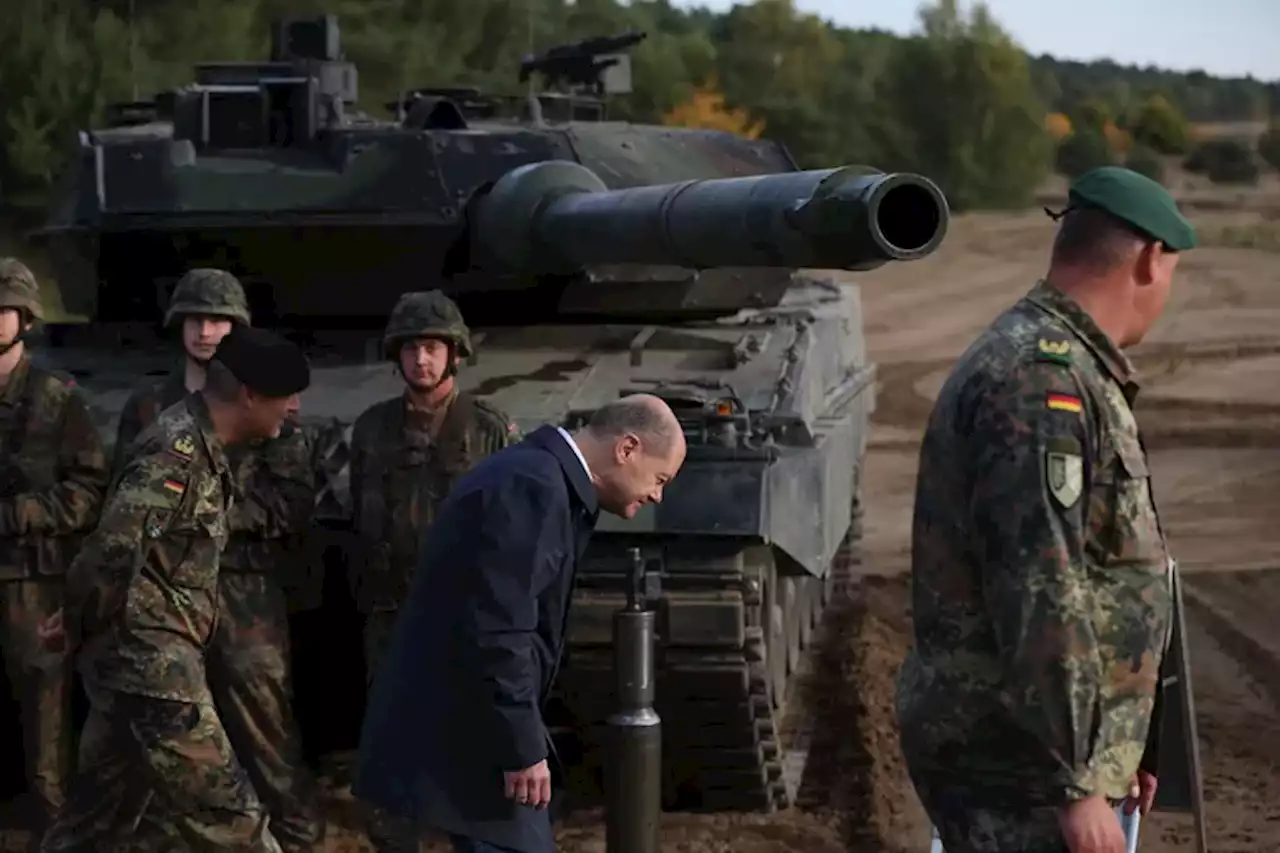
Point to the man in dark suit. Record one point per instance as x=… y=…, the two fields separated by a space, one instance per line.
x=453 y=735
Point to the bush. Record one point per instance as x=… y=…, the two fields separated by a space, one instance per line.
x=1159 y=126
x=1144 y=161
x=1269 y=146
x=1223 y=161
x=1082 y=151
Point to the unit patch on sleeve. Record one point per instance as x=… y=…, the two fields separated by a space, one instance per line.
x=1064 y=472
x=1063 y=402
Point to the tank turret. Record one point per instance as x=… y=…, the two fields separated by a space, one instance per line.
x=558 y=217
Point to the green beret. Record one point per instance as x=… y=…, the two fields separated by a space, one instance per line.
x=1137 y=200
x=264 y=362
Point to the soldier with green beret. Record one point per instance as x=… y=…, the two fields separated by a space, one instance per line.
x=1041 y=576
x=406 y=453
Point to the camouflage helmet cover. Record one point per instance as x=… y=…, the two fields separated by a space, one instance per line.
x=217 y=293
x=426 y=314
x=18 y=288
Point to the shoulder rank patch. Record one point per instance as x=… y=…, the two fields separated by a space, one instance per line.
x=1063 y=402
x=1064 y=472
x=184 y=447
x=1055 y=348
x=177 y=487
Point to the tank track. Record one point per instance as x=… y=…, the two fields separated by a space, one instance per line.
x=736 y=728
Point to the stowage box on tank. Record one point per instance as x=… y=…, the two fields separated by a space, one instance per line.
x=592 y=259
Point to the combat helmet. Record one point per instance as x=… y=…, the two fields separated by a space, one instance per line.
x=425 y=314
x=209 y=291
x=18 y=289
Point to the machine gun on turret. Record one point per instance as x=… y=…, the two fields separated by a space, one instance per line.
x=587 y=65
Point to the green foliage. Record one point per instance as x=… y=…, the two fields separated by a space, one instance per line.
x=965 y=111
x=959 y=100
x=1145 y=161
x=1223 y=161
x=1159 y=126
x=1269 y=146
x=1081 y=151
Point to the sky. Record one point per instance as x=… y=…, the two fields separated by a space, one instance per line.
x=1226 y=38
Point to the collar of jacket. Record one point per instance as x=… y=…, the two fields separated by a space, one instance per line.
x=200 y=413
x=1049 y=298
x=548 y=438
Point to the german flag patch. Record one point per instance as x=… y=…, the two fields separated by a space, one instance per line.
x=176 y=487
x=1063 y=402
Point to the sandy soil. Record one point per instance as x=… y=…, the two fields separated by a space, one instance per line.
x=1210 y=415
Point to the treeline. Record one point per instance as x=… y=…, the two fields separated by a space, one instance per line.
x=959 y=100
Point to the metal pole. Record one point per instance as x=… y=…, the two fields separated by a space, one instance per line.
x=633 y=774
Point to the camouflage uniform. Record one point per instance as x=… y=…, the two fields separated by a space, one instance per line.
x=53 y=472
x=249 y=662
x=1042 y=602
x=157 y=770
x=209 y=292
x=403 y=463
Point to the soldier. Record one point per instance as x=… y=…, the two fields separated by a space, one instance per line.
x=1041 y=576
x=53 y=472
x=406 y=452
x=207 y=302
x=157 y=771
x=249 y=661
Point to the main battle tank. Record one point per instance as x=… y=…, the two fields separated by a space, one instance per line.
x=592 y=259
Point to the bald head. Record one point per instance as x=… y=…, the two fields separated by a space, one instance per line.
x=645 y=416
x=634 y=446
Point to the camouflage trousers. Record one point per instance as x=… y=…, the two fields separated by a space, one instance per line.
x=251 y=681
x=973 y=821
x=157 y=776
x=41 y=680
x=387 y=833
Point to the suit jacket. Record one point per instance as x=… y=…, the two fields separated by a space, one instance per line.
x=458 y=697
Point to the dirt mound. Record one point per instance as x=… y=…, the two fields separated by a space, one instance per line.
x=855 y=794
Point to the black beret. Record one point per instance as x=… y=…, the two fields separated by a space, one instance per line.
x=264 y=362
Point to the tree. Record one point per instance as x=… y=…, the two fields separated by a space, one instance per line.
x=1159 y=126
x=965 y=111
x=705 y=108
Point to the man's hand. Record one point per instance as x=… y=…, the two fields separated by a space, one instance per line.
x=1142 y=793
x=1090 y=826
x=52 y=632
x=532 y=785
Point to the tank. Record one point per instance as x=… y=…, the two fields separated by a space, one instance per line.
x=591 y=258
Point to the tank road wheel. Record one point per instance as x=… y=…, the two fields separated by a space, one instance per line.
x=810 y=609
x=794 y=612
x=775 y=655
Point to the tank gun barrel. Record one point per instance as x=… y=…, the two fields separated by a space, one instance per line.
x=558 y=217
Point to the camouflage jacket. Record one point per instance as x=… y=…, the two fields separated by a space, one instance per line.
x=399 y=474
x=53 y=472
x=143 y=591
x=277 y=481
x=1041 y=584
x=144 y=405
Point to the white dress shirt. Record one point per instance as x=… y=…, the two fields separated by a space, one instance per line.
x=573 y=445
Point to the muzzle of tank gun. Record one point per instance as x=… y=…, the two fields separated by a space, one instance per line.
x=558 y=217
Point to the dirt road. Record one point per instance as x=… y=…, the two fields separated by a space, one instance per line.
x=1212 y=421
